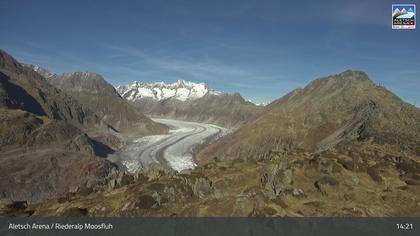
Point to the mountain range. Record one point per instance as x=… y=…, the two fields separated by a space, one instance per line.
x=340 y=146
x=181 y=90
x=93 y=91
x=190 y=101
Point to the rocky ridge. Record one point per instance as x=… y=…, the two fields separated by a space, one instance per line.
x=94 y=92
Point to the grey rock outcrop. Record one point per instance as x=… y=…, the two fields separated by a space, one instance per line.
x=200 y=185
x=156 y=170
x=276 y=179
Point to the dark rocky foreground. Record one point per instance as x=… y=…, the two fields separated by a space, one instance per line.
x=281 y=184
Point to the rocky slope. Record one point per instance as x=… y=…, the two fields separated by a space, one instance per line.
x=40 y=70
x=330 y=112
x=94 y=92
x=226 y=110
x=23 y=88
x=44 y=148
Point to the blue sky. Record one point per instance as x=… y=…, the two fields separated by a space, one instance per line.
x=262 y=49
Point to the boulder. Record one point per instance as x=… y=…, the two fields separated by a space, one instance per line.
x=120 y=179
x=276 y=179
x=157 y=170
x=200 y=185
x=374 y=174
x=146 y=202
x=297 y=192
x=322 y=183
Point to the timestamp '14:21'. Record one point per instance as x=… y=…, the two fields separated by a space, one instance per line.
x=406 y=226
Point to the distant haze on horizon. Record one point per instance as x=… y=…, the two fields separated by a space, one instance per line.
x=261 y=49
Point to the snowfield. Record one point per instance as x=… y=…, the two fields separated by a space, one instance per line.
x=174 y=149
x=181 y=90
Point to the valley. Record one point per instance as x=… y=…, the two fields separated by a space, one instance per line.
x=174 y=149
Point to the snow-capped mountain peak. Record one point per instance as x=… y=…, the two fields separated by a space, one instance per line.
x=181 y=89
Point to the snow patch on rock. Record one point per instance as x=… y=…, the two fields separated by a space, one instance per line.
x=181 y=90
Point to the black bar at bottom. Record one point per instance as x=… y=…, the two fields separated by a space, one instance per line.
x=340 y=226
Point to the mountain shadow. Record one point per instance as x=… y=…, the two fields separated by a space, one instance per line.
x=101 y=149
x=15 y=97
